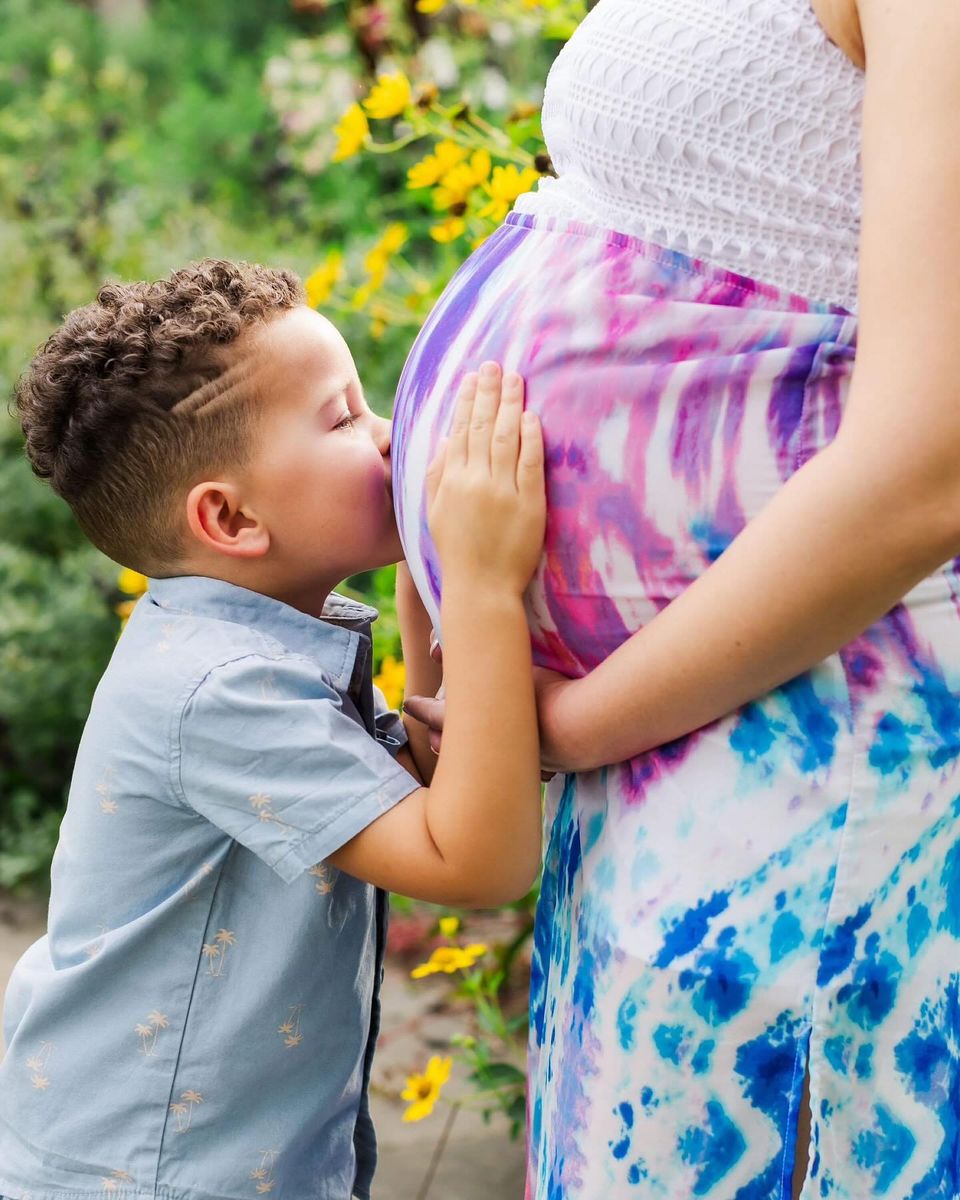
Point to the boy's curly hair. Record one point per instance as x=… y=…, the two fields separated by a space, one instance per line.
x=97 y=403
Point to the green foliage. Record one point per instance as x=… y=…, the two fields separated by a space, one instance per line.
x=121 y=156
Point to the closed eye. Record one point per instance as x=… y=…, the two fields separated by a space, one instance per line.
x=346 y=422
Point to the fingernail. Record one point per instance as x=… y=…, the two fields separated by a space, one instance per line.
x=489 y=370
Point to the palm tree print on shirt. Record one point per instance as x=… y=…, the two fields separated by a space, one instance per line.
x=147 y=1033
x=290 y=1029
x=325 y=878
x=104 y=790
x=183 y=1108
x=261 y=804
x=263 y=1175
x=111 y=1182
x=215 y=952
x=38 y=1064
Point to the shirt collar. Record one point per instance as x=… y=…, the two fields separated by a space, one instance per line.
x=332 y=639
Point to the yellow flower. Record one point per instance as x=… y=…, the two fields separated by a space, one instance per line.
x=389 y=96
x=430 y=170
x=449 y=926
x=352 y=132
x=391 y=679
x=506 y=185
x=423 y=1090
x=321 y=283
x=132 y=583
x=378 y=258
x=457 y=184
x=361 y=297
x=448 y=230
x=430 y=6
x=449 y=959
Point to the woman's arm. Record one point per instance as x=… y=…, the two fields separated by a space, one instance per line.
x=423 y=674
x=863 y=522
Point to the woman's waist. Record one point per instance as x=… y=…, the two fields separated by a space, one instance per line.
x=809 y=253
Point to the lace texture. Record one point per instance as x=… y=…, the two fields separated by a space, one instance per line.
x=726 y=129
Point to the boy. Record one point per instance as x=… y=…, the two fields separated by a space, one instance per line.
x=200 y=1019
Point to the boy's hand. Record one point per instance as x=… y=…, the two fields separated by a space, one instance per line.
x=485 y=488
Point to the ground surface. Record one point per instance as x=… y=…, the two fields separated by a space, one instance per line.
x=476 y=1163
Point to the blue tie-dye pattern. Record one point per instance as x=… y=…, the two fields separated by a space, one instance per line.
x=817 y=727
x=770 y=1069
x=929 y=1061
x=864 y=1062
x=721 y=980
x=689 y=930
x=871 y=995
x=892 y=746
x=950 y=879
x=918 y=928
x=668 y=1040
x=700 y=1063
x=714 y=1149
x=753 y=734
x=785 y=936
x=840 y=947
x=836 y=1050
x=884 y=1149
x=711 y=539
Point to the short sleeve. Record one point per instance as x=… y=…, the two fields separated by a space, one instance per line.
x=267 y=754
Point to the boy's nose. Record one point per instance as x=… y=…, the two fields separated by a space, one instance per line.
x=381 y=434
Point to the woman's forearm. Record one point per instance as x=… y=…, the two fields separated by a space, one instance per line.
x=839 y=545
x=423 y=676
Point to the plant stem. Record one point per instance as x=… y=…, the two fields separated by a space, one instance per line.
x=438 y=1151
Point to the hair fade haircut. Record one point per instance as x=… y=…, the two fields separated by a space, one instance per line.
x=98 y=404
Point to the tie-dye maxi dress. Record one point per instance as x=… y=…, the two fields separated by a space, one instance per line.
x=779 y=886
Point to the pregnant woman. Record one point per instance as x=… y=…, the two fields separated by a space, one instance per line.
x=750 y=585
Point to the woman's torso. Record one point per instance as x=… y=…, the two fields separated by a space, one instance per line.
x=726 y=129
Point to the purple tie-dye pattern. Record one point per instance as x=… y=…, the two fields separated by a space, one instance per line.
x=782 y=882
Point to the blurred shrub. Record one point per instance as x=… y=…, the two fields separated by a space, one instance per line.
x=122 y=154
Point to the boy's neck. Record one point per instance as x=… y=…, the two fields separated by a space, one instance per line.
x=307 y=595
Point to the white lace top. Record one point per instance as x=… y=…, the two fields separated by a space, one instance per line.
x=726 y=129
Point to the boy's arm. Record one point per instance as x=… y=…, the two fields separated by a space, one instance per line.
x=423 y=675
x=473 y=836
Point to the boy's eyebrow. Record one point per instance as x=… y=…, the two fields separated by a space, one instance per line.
x=335 y=393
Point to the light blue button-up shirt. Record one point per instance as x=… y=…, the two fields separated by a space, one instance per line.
x=200 y=1018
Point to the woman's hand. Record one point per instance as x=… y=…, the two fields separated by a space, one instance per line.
x=557 y=718
x=429 y=711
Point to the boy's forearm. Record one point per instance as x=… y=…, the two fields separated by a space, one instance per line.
x=488 y=775
x=423 y=675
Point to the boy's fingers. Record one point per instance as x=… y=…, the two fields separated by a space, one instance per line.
x=506 y=430
x=435 y=470
x=462 y=411
x=530 y=463
x=484 y=414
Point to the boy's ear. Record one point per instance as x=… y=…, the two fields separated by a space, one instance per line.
x=219 y=520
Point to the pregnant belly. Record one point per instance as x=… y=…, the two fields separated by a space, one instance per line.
x=675 y=399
